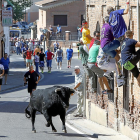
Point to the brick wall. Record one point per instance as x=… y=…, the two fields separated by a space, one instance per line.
x=119 y=111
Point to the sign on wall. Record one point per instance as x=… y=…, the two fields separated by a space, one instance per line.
x=7 y=18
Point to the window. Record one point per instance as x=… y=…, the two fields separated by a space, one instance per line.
x=126 y=91
x=60 y=19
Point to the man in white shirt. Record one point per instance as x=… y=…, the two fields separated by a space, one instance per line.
x=30 y=44
x=18 y=45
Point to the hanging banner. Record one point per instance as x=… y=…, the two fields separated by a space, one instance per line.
x=7 y=18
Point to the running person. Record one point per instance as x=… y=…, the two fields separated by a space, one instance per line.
x=33 y=78
x=59 y=56
x=36 y=62
x=1 y=74
x=41 y=60
x=24 y=50
x=69 y=55
x=49 y=60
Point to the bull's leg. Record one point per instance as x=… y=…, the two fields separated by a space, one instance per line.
x=47 y=117
x=62 y=117
x=53 y=128
x=33 y=113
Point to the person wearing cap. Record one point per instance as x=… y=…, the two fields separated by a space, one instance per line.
x=86 y=38
x=79 y=88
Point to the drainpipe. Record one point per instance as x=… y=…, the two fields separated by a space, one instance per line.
x=138 y=37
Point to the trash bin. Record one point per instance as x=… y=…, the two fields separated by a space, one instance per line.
x=67 y=33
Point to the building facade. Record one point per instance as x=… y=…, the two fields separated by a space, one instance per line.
x=1 y=29
x=67 y=13
x=120 y=110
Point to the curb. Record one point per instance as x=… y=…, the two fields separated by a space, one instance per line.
x=19 y=86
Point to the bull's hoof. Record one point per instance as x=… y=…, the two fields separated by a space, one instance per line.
x=34 y=131
x=65 y=131
x=48 y=125
x=54 y=130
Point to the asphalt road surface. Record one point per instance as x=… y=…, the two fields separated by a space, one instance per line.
x=13 y=123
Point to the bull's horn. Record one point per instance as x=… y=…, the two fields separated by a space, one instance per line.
x=72 y=89
x=58 y=89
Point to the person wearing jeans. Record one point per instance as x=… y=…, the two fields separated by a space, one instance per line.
x=109 y=45
x=49 y=60
x=36 y=61
x=18 y=45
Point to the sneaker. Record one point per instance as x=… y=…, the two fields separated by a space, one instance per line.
x=67 y=66
x=120 y=82
x=108 y=76
x=49 y=71
x=60 y=68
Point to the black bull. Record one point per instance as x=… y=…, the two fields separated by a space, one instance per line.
x=50 y=102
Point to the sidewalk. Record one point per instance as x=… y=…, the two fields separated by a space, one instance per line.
x=93 y=129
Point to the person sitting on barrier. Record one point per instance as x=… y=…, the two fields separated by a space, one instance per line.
x=106 y=62
x=109 y=45
x=93 y=52
x=86 y=38
x=130 y=57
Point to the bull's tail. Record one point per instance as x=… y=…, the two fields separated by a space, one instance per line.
x=27 y=112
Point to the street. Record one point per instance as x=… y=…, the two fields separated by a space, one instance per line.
x=15 y=126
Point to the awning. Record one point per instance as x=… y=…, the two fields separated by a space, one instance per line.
x=10 y=3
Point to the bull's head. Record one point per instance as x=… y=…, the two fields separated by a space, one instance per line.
x=65 y=93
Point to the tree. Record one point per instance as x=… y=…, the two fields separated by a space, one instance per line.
x=19 y=9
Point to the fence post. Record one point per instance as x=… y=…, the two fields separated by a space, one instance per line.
x=84 y=93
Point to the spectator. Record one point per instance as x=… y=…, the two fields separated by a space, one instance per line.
x=69 y=55
x=49 y=60
x=79 y=88
x=86 y=38
x=33 y=78
x=24 y=53
x=41 y=60
x=5 y=62
x=59 y=56
x=130 y=57
x=109 y=45
x=79 y=32
x=117 y=22
x=51 y=30
x=93 y=52
x=18 y=45
x=58 y=30
x=96 y=37
x=36 y=62
x=30 y=44
x=28 y=57
x=42 y=37
x=1 y=74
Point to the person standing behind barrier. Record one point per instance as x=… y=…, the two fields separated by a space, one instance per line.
x=93 y=53
x=59 y=56
x=36 y=62
x=50 y=56
x=5 y=62
x=86 y=38
x=41 y=60
x=69 y=55
x=33 y=78
x=79 y=88
x=117 y=22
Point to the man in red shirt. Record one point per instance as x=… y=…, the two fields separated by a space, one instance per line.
x=28 y=57
x=96 y=37
x=50 y=56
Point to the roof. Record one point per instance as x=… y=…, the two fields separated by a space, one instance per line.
x=41 y=3
x=48 y=4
